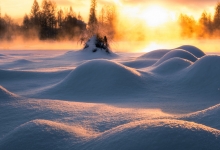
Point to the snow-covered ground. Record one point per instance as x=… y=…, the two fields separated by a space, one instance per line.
x=165 y=99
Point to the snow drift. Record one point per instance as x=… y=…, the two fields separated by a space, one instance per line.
x=160 y=134
x=176 y=73
x=176 y=53
x=155 y=54
x=192 y=49
x=7 y=95
x=203 y=76
x=99 y=78
x=142 y=63
x=171 y=66
x=209 y=117
x=44 y=134
x=146 y=134
x=185 y=82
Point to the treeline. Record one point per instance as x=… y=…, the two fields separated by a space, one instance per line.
x=208 y=26
x=8 y=28
x=46 y=21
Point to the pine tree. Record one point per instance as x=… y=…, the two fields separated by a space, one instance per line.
x=205 y=24
x=26 y=22
x=79 y=17
x=102 y=17
x=35 y=14
x=217 y=16
x=188 y=25
x=48 y=20
x=60 y=18
x=92 y=17
x=0 y=12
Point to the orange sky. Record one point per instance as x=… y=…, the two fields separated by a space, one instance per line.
x=17 y=8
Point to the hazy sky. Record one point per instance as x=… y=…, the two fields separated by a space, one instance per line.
x=17 y=8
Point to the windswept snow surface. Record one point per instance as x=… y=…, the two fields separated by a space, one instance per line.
x=165 y=99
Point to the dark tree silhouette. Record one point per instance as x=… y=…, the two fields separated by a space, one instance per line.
x=35 y=14
x=3 y=28
x=93 y=22
x=188 y=25
x=216 y=20
x=60 y=18
x=205 y=25
x=48 y=20
x=26 y=22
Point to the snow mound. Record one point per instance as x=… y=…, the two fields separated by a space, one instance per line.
x=203 y=77
x=192 y=49
x=155 y=54
x=206 y=68
x=141 y=63
x=22 y=61
x=209 y=117
x=208 y=63
x=94 y=49
x=96 y=44
x=6 y=95
x=171 y=66
x=159 y=134
x=99 y=78
x=176 y=53
x=44 y=134
x=147 y=134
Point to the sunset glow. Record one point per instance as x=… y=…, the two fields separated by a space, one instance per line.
x=148 y=23
x=18 y=9
x=156 y=16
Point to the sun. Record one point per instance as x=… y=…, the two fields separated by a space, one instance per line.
x=155 y=15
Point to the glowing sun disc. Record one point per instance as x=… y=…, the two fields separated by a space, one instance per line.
x=155 y=16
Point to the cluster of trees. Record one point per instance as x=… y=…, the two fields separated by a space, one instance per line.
x=207 y=26
x=8 y=27
x=50 y=23
x=105 y=24
x=46 y=21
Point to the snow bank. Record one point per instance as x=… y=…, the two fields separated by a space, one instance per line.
x=158 y=134
x=12 y=75
x=22 y=61
x=192 y=49
x=140 y=63
x=176 y=53
x=155 y=54
x=6 y=95
x=99 y=78
x=171 y=66
x=209 y=117
x=203 y=76
x=147 y=134
x=174 y=76
x=44 y=135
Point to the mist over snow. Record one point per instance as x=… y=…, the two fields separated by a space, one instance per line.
x=96 y=99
